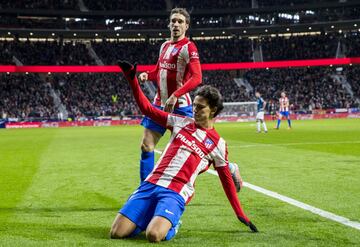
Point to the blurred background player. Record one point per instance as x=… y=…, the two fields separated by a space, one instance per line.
x=284 y=110
x=177 y=72
x=159 y=202
x=260 y=113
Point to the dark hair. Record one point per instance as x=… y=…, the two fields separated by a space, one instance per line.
x=181 y=11
x=213 y=96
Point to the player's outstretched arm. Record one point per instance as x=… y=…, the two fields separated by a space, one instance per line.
x=189 y=85
x=145 y=106
x=194 y=80
x=230 y=191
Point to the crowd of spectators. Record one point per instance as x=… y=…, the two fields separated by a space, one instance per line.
x=147 y=52
x=299 y=47
x=307 y=88
x=5 y=54
x=129 y=5
x=126 y=5
x=224 y=50
x=95 y=94
x=25 y=96
x=99 y=94
x=252 y=18
x=47 y=53
x=352 y=74
x=215 y=50
x=267 y=3
x=142 y=52
x=352 y=45
x=39 y=4
x=212 y=4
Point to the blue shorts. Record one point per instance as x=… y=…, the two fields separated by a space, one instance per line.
x=152 y=125
x=151 y=200
x=284 y=113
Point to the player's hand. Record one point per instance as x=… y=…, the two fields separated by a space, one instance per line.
x=127 y=68
x=170 y=103
x=249 y=224
x=143 y=77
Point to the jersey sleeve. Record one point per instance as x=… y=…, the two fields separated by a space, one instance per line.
x=193 y=63
x=175 y=122
x=230 y=191
x=220 y=154
x=152 y=75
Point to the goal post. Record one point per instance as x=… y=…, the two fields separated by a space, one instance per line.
x=242 y=110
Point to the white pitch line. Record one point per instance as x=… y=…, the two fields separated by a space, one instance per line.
x=307 y=207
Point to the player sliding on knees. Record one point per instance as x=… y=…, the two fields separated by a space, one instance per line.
x=261 y=103
x=157 y=205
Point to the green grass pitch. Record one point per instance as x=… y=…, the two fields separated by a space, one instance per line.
x=63 y=187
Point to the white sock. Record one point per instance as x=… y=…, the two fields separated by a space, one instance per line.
x=264 y=126
x=258 y=126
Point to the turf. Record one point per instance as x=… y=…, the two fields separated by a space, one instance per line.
x=63 y=187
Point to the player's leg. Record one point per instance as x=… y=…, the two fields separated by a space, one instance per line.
x=158 y=228
x=166 y=221
x=288 y=119
x=279 y=121
x=258 y=125
x=136 y=213
x=148 y=143
x=122 y=227
x=258 y=117
x=264 y=125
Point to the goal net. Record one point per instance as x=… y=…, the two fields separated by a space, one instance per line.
x=238 y=111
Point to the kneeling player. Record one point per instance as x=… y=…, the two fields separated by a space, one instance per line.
x=157 y=205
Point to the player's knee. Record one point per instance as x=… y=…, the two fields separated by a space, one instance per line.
x=116 y=233
x=154 y=235
x=147 y=147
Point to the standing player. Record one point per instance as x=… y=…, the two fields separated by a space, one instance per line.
x=261 y=103
x=177 y=73
x=157 y=205
x=284 y=110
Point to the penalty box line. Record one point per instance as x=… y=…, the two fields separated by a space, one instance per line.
x=296 y=203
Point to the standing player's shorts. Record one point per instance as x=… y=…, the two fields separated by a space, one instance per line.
x=152 y=125
x=151 y=200
x=260 y=115
x=284 y=113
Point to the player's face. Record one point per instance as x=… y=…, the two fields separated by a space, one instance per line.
x=283 y=95
x=201 y=109
x=257 y=95
x=178 y=26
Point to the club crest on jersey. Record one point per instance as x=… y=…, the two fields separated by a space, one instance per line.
x=174 y=51
x=208 y=143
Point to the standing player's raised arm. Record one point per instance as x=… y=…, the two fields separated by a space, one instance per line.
x=193 y=81
x=152 y=75
x=145 y=106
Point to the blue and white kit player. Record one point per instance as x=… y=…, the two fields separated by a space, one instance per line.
x=260 y=113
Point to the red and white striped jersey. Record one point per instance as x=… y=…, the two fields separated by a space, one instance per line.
x=173 y=70
x=284 y=104
x=190 y=151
